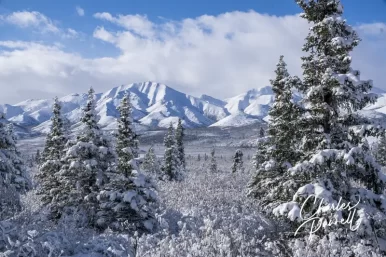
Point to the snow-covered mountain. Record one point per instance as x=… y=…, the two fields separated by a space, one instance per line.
x=156 y=105
x=238 y=119
x=255 y=102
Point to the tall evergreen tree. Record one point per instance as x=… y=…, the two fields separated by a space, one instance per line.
x=13 y=176
x=180 y=145
x=66 y=126
x=170 y=167
x=238 y=164
x=213 y=162
x=150 y=161
x=261 y=132
x=127 y=139
x=9 y=128
x=87 y=161
x=279 y=151
x=284 y=115
x=336 y=163
x=261 y=155
x=51 y=160
x=380 y=152
x=12 y=169
x=128 y=196
x=38 y=157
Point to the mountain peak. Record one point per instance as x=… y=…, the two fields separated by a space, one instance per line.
x=266 y=90
x=252 y=91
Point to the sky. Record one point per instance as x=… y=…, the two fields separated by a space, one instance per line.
x=219 y=48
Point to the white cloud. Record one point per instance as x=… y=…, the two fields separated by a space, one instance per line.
x=18 y=44
x=104 y=16
x=103 y=34
x=235 y=50
x=71 y=33
x=373 y=29
x=217 y=55
x=37 y=21
x=138 y=24
x=80 y=11
x=25 y=19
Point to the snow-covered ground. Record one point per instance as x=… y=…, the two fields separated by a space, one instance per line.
x=207 y=214
x=198 y=140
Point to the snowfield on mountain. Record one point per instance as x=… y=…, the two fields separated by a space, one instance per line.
x=156 y=105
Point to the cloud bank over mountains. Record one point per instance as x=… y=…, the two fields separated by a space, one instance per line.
x=221 y=56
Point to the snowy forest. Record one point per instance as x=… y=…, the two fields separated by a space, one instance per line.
x=312 y=185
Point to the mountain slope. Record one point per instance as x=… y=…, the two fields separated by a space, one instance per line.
x=156 y=106
x=254 y=102
x=239 y=119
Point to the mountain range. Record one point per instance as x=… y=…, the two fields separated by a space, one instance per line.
x=155 y=105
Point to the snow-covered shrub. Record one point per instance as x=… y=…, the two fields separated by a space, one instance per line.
x=26 y=236
x=207 y=214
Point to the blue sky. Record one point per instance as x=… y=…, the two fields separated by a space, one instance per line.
x=52 y=48
x=356 y=11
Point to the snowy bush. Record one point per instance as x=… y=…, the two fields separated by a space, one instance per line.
x=207 y=214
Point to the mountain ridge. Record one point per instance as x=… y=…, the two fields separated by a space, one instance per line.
x=155 y=105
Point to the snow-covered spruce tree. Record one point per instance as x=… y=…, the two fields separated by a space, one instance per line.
x=86 y=163
x=13 y=177
x=170 y=167
x=51 y=160
x=38 y=157
x=337 y=165
x=278 y=151
x=150 y=162
x=9 y=128
x=180 y=145
x=12 y=167
x=261 y=155
x=284 y=114
x=66 y=126
x=261 y=132
x=128 y=197
x=199 y=157
x=380 y=152
x=213 y=162
x=127 y=139
x=238 y=164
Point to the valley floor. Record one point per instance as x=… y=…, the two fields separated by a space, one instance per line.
x=207 y=214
